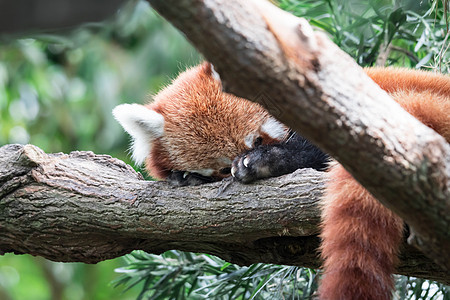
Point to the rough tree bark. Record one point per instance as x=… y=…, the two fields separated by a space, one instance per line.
x=318 y=90
x=88 y=208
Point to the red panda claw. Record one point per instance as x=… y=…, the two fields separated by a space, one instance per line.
x=245 y=162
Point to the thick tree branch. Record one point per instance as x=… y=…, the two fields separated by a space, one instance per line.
x=319 y=91
x=87 y=208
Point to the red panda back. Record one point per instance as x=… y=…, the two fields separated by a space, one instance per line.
x=425 y=95
x=360 y=236
x=399 y=79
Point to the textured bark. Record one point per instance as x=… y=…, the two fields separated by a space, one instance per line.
x=307 y=82
x=87 y=208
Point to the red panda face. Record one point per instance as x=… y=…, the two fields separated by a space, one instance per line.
x=193 y=126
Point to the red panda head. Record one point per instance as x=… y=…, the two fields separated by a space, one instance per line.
x=193 y=126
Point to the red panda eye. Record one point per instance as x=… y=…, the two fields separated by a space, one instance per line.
x=257 y=142
x=225 y=171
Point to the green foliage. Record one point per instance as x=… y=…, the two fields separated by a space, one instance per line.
x=27 y=277
x=179 y=275
x=407 y=33
x=417 y=288
x=58 y=92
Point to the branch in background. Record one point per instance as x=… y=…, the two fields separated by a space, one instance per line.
x=319 y=91
x=34 y=15
x=87 y=208
x=384 y=53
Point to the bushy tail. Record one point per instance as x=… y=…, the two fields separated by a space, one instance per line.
x=360 y=241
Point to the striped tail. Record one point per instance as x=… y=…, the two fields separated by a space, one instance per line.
x=360 y=242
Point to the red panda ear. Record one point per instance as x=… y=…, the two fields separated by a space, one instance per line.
x=208 y=68
x=143 y=124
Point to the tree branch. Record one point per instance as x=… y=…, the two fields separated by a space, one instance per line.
x=87 y=208
x=34 y=15
x=308 y=83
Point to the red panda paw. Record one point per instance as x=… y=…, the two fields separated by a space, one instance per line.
x=274 y=160
x=182 y=178
x=241 y=172
x=250 y=166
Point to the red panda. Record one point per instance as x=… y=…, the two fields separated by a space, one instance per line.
x=360 y=237
x=194 y=133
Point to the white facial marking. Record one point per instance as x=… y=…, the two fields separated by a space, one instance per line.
x=249 y=139
x=143 y=124
x=233 y=171
x=274 y=129
x=204 y=172
x=214 y=74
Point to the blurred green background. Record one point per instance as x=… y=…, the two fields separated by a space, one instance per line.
x=57 y=92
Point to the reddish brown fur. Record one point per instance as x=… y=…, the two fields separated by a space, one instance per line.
x=158 y=162
x=360 y=236
x=360 y=241
x=213 y=124
x=398 y=79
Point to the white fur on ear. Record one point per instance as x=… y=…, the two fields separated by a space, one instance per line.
x=214 y=74
x=143 y=124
